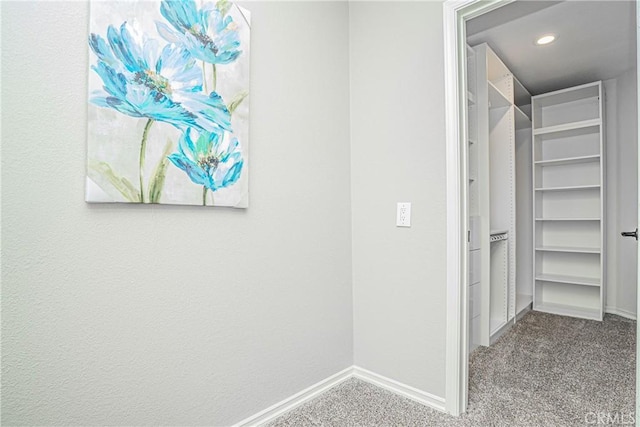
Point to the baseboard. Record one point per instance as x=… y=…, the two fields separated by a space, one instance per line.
x=286 y=405
x=621 y=312
x=296 y=400
x=427 y=399
x=501 y=330
x=527 y=308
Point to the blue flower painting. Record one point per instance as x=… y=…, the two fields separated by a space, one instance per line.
x=211 y=159
x=168 y=102
x=207 y=33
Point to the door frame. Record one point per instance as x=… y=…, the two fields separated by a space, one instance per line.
x=456 y=13
x=638 y=223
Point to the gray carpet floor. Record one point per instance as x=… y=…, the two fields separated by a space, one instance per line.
x=546 y=371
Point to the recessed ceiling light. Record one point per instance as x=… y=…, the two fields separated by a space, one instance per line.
x=546 y=39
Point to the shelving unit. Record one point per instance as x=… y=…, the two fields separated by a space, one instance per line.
x=569 y=199
x=496 y=98
x=567 y=127
x=574 y=280
x=471 y=98
x=568 y=310
x=570 y=160
x=569 y=188
x=524 y=202
x=499 y=271
x=568 y=249
x=503 y=154
x=473 y=203
x=568 y=219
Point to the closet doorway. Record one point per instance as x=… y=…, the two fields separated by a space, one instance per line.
x=546 y=168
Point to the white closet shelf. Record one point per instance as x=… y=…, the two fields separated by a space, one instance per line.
x=496 y=98
x=567 y=219
x=569 y=129
x=522 y=301
x=568 y=188
x=563 y=96
x=572 y=280
x=569 y=310
x=471 y=98
x=520 y=93
x=496 y=325
x=568 y=160
x=522 y=120
x=526 y=109
x=571 y=249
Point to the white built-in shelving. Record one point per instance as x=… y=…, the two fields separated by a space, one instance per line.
x=502 y=156
x=569 y=160
x=568 y=197
x=569 y=310
x=569 y=187
x=572 y=219
x=473 y=204
x=577 y=249
x=496 y=98
x=574 y=280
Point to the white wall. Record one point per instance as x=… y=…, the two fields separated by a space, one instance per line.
x=397 y=155
x=627 y=189
x=115 y=314
x=622 y=184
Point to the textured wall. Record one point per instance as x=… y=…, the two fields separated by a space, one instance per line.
x=398 y=155
x=115 y=314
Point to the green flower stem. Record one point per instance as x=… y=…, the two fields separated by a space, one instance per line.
x=215 y=76
x=204 y=78
x=204 y=195
x=143 y=149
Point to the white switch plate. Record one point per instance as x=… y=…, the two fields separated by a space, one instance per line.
x=403 y=218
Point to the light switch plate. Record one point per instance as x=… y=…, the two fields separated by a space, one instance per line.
x=403 y=218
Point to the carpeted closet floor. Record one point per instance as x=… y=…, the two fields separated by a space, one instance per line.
x=546 y=371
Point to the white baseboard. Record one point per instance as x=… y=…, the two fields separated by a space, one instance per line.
x=296 y=400
x=427 y=399
x=286 y=405
x=621 y=312
x=497 y=334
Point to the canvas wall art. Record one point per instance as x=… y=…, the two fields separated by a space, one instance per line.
x=168 y=103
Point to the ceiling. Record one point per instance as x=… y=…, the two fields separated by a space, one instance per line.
x=596 y=40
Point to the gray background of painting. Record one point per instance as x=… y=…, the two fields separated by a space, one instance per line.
x=115 y=137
